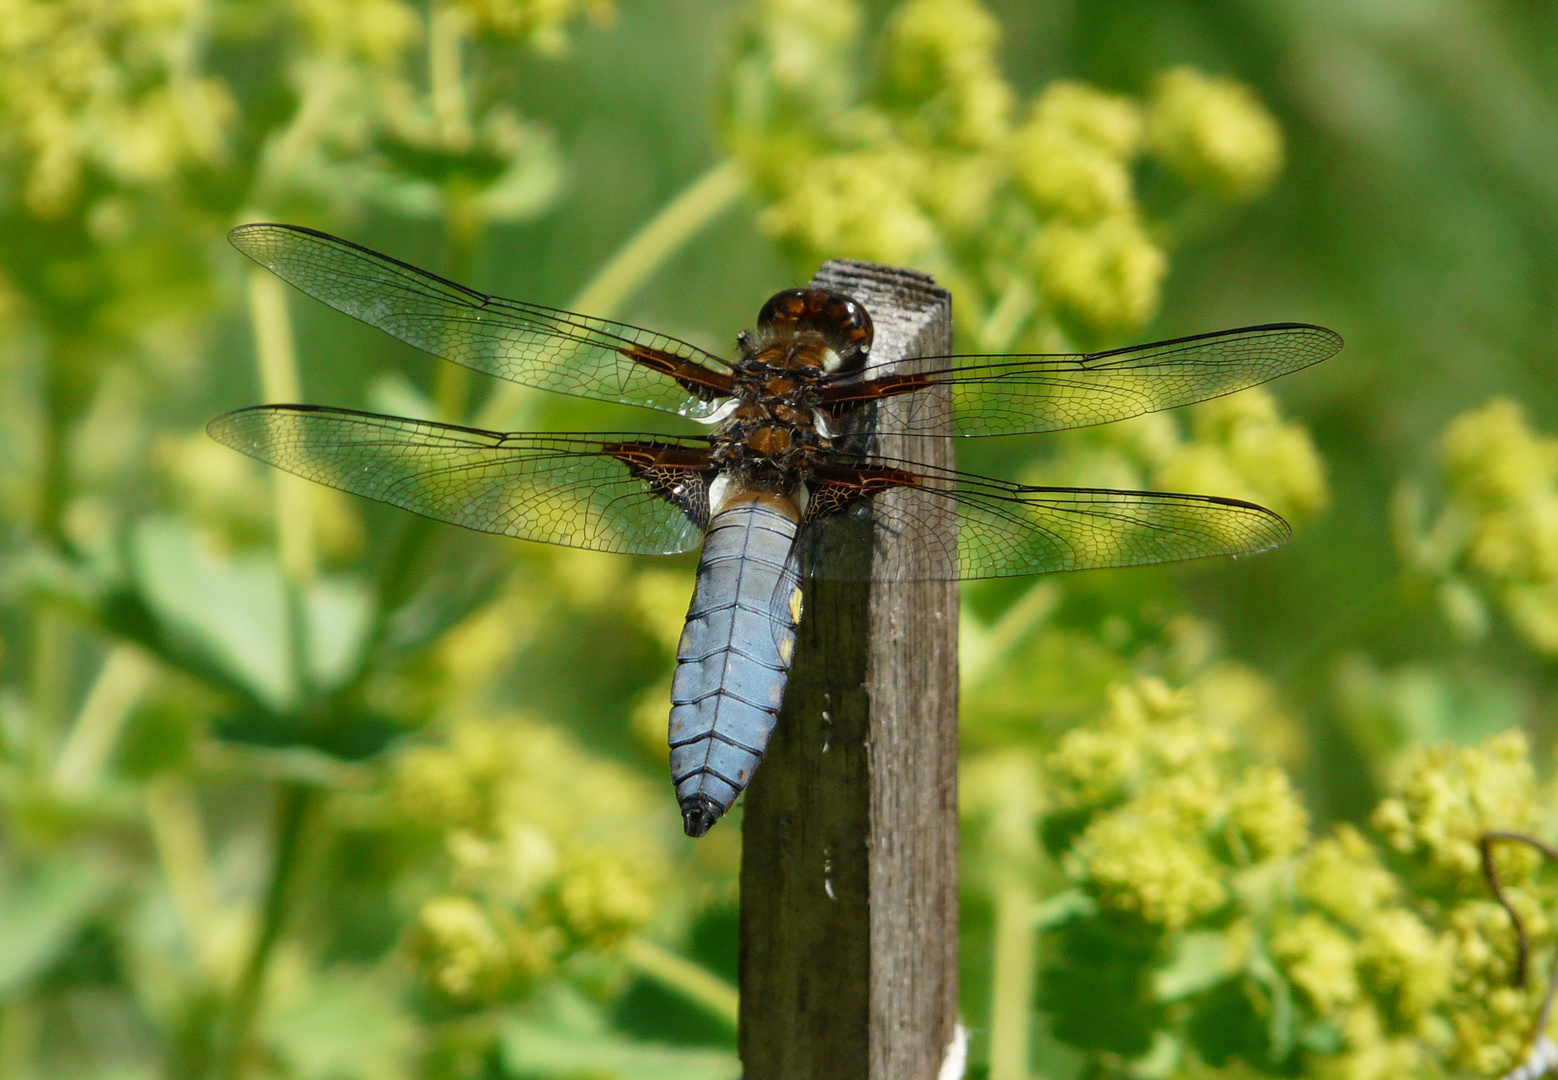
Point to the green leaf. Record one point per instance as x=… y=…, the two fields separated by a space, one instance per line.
x=41 y=914
x=346 y=1025
x=531 y=1051
x=228 y=609
x=338 y=615
x=1232 y=1020
x=1202 y=959
x=572 y=1039
x=1102 y=958
x=231 y=611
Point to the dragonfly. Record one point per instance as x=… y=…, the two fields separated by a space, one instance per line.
x=784 y=486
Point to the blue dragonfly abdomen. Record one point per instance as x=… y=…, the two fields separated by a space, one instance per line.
x=735 y=653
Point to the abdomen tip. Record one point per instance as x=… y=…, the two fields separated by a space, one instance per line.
x=697 y=817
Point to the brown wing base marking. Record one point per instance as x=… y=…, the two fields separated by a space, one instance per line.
x=835 y=488
x=706 y=383
x=842 y=397
x=677 y=475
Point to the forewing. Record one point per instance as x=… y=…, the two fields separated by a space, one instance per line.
x=574 y=490
x=526 y=343
x=1006 y=530
x=1010 y=395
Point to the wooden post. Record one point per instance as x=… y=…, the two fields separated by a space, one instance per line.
x=849 y=839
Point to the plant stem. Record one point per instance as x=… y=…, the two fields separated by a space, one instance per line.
x=1011 y=993
x=1490 y=872
x=292 y=803
x=118 y=686
x=984 y=649
x=463 y=229
x=452 y=390
x=46 y=677
x=683 y=977
x=707 y=197
x=1001 y=325
x=392 y=587
x=277 y=360
x=447 y=28
x=678 y=222
x=294 y=507
x=54 y=473
x=173 y=813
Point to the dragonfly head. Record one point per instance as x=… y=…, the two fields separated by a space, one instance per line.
x=838 y=322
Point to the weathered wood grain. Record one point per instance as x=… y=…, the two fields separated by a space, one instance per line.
x=849 y=836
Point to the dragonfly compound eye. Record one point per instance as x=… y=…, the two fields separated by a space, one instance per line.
x=783 y=310
x=852 y=333
x=839 y=320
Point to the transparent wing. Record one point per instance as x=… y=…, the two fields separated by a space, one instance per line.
x=574 y=490
x=526 y=343
x=1005 y=529
x=1010 y=395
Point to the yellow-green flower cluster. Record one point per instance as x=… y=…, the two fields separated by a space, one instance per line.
x=1452 y=796
x=1072 y=155
x=1214 y=133
x=1171 y=813
x=1392 y=956
x=1492 y=1019
x=375 y=31
x=1237 y=446
x=939 y=75
x=1423 y=984
x=554 y=855
x=541 y=23
x=1028 y=211
x=1497 y=532
x=1091 y=256
x=371 y=126
x=1240 y=446
x=106 y=87
x=1342 y=876
x=113 y=91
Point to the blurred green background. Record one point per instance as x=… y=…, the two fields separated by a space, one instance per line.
x=296 y=785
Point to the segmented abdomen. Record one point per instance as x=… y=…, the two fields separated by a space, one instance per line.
x=734 y=656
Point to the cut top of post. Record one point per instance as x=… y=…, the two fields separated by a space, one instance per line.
x=908 y=309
